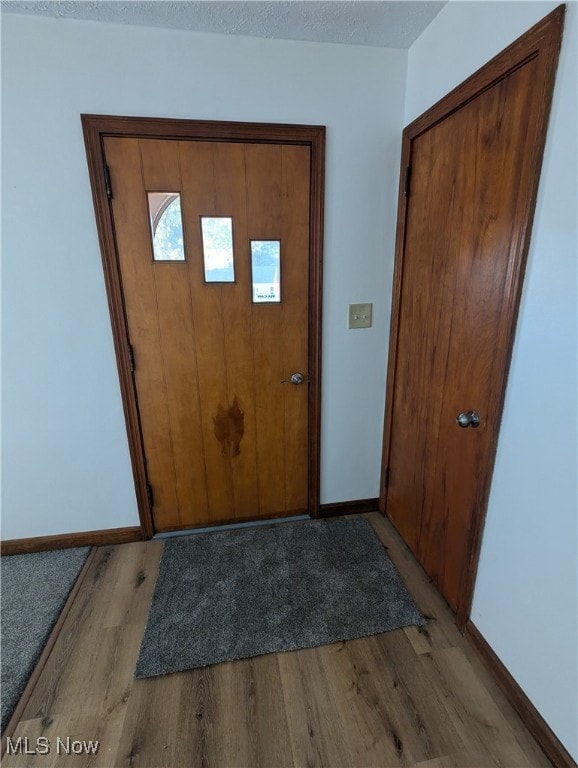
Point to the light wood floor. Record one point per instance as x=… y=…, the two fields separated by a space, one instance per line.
x=412 y=697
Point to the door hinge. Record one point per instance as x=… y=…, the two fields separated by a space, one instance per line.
x=386 y=478
x=131 y=361
x=107 y=182
x=407 y=180
x=150 y=496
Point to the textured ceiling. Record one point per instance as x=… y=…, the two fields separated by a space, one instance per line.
x=383 y=24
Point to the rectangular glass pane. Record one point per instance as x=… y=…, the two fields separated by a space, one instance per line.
x=266 y=271
x=217 y=235
x=166 y=226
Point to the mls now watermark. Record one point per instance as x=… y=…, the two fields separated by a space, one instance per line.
x=44 y=746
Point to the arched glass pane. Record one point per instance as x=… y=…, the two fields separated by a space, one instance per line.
x=166 y=226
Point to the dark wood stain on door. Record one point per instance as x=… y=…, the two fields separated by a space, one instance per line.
x=463 y=235
x=230 y=428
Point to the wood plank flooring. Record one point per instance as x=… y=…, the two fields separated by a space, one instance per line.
x=412 y=697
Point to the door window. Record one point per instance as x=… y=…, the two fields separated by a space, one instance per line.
x=266 y=271
x=217 y=236
x=166 y=226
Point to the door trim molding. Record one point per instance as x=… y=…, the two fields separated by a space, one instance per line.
x=354 y=507
x=103 y=538
x=550 y=744
x=541 y=42
x=95 y=129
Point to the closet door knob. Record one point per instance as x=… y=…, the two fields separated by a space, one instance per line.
x=296 y=378
x=468 y=419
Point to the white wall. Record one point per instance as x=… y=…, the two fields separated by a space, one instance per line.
x=65 y=455
x=525 y=595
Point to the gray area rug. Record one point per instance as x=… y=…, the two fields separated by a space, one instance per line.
x=34 y=589
x=241 y=593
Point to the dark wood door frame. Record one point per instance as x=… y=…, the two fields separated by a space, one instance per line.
x=541 y=42
x=96 y=128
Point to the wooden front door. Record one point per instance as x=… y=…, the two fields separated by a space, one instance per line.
x=213 y=248
x=472 y=169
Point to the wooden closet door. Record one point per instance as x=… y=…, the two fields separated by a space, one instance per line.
x=472 y=170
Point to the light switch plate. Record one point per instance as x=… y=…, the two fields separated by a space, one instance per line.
x=360 y=315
